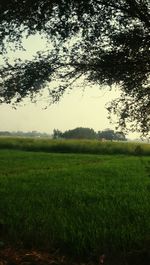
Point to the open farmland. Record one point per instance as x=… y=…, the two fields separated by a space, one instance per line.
x=81 y=204
x=74 y=146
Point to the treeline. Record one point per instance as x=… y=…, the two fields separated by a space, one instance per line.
x=24 y=134
x=88 y=133
x=77 y=133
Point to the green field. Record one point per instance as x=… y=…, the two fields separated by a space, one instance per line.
x=74 y=146
x=83 y=204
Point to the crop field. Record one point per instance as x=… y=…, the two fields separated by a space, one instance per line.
x=74 y=146
x=82 y=204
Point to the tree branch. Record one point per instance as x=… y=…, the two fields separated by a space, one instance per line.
x=137 y=11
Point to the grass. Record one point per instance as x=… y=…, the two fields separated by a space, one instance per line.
x=79 y=203
x=74 y=146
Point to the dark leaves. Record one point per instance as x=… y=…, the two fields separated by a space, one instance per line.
x=111 y=46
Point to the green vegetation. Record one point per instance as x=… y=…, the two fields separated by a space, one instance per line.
x=88 y=133
x=82 y=203
x=24 y=134
x=103 y=42
x=74 y=146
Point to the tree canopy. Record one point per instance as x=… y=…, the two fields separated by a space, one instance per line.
x=109 y=134
x=89 y=133
x=79 y=133
x=105 y=41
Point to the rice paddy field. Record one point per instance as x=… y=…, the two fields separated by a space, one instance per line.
x=85 y=198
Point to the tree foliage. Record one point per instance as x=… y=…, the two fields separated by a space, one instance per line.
x=105 y=41
x=79 y=133
x=109 y=134
x=89 y=133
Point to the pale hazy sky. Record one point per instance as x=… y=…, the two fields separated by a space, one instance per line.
x=85 y=109
x=77 y=109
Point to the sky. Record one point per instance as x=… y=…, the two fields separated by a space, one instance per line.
x=77 y=109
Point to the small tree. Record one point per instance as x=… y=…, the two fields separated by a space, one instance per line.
x=57 y=134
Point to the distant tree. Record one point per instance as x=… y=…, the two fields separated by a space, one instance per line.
x=5 y=133
x=109 y=134
x=106 y=134
x=79 y=133
x=57 y=134
x=120 y=136
x=24 y=134
x=111 y=47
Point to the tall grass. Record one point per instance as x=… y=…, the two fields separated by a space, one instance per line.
x=74 y=146
x=78 y=203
